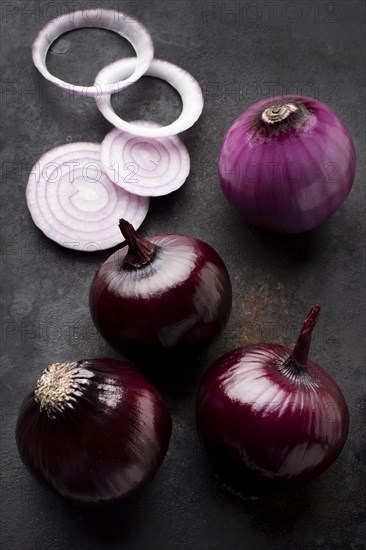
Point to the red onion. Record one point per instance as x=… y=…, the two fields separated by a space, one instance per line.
x=72 y=200
x=287 y=163
x=181 y=80
x=112 y=20
x=149 y=167
x=269 y=417
x=169 y=296
x=93 y=430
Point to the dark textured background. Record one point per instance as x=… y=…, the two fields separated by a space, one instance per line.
x=240 y=52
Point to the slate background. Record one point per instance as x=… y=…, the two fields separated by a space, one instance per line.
x=240 y=52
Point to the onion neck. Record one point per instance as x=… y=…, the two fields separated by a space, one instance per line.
x=140 y=251
x=278 y=112
x=301 y=350
x=284 y=115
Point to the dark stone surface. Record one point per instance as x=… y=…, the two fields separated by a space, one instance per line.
x=240 y=52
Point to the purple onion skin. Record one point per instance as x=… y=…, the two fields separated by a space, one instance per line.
x=107 y=442
x=288 y=176
x=267 y=427
x=178 y=305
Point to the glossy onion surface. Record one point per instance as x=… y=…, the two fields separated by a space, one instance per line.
x=268 y=423
x=287 y=163
x=94 y=430
x=173 y=306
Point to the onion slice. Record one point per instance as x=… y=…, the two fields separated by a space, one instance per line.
x=111 y=20
x=145 y=166
x=181 y=80
x=72 y=200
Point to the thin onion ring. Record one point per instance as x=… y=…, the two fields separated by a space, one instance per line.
x=181 y=80
x=128 y=27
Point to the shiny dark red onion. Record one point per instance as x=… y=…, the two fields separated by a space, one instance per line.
x=287 y=163
x=166 y=297
x=93 y=430
x=269 y=417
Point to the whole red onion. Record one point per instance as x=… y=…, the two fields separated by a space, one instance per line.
x=93 y=430
x=166 y=297
x=287 y=163
x=269 y=417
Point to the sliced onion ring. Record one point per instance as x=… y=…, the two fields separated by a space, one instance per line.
x=150 y=167
x=111 y=20
x=72 y=200
x=181 y=80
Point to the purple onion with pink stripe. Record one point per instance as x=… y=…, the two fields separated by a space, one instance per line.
x=287 y=163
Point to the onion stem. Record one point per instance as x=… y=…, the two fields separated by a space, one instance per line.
x=140 y=251
x=301 y=350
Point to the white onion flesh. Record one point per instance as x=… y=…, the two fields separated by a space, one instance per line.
x=178 y=78
x=74 y=203
x=112 y=20
x=146 y=166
